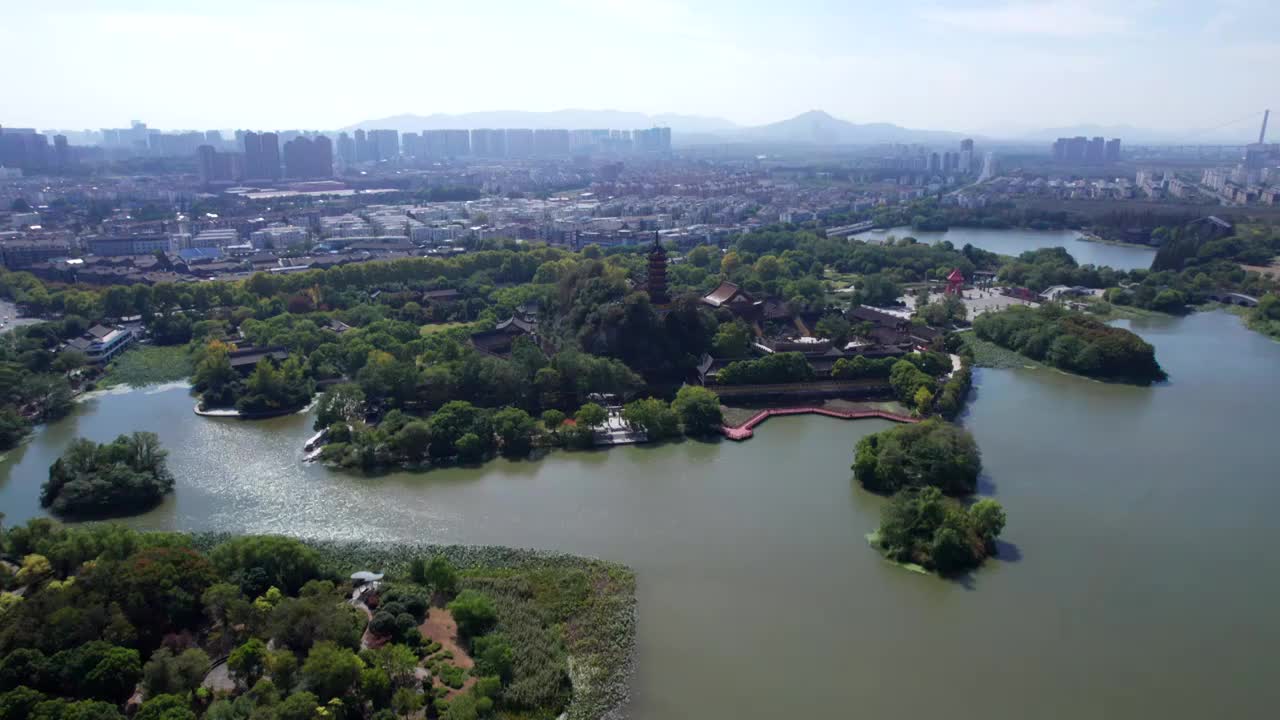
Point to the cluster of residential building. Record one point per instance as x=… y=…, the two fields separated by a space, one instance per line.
x=1082 y=150
x=1245 y=185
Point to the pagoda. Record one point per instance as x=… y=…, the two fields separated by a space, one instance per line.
x=657 y=283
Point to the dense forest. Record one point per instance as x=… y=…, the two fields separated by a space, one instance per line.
x=100 y=621
x=1073 y=342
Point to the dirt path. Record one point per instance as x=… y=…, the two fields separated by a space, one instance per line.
x=442 y=628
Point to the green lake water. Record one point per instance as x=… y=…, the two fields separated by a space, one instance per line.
x=1138 y=578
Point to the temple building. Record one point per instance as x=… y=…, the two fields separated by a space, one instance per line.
x=657 y=280
x=500 y=341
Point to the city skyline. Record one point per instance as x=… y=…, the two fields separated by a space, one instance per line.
x=920 y=65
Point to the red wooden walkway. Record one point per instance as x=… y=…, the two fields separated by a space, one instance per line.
x=744 y=431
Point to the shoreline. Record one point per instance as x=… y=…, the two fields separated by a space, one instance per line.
x=200 y=410
x=745 y=431
x=1093 y=238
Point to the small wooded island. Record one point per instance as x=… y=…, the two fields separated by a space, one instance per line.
x=1072 y=341
x=103 y=622
x=126 y=476
x=921 y=465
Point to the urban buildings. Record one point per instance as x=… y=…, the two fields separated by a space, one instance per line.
x=363 y=149
x=261 y=156
x=384 y=144
x=519 y=143
x=489 y=143
x=130 y=245
x=1081 y=150
x=24 y=148
x=346 y=150
x=655 y=140
x=308 y=158
x=551 y=143
x=219 y=167
x=966 y=157
x=278 y=236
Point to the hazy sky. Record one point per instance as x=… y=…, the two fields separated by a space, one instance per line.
x=976 y=65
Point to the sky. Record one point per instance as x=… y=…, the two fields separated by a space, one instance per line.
x=988 y=66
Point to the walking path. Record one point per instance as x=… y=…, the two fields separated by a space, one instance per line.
x=744 y=431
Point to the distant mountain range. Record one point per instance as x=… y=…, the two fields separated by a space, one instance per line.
x=571 y=119
x=820 y=128
x=814 y=128
x=811 y=128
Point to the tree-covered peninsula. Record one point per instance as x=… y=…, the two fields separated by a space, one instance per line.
x=1072 y=341
x=102 y=623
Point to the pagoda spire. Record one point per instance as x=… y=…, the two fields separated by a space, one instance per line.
x=657 y=282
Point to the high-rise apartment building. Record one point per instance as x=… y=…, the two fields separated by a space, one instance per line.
x=216 y=167
x=24 y=148
x=655 y=140
x=308 y=158
x=411 y=145
x=519 y=142
x=1081 y=150
x=1112 y=153
x=489 y=143
x=346 y=150
x=261 y=156
x=364 y=150
x=551 y=142
x=965 y=162
x=61 y=152
x=386 y=144
x=457 y=143
x=1095 y=151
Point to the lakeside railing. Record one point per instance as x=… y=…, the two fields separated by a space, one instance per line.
x=745 y=430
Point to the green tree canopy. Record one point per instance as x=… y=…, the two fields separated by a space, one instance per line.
x=932 y=453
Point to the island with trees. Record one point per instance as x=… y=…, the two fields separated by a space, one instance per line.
x=928 y=469
x=1072 y=341
x=126 y=476
x=102 y=622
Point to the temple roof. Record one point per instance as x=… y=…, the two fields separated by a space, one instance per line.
x=723 y=294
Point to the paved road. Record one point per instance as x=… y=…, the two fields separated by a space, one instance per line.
x=9 y=316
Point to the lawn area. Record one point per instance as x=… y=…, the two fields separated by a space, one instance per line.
x=989 y=354
x=149 y=365
x=440 y=327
